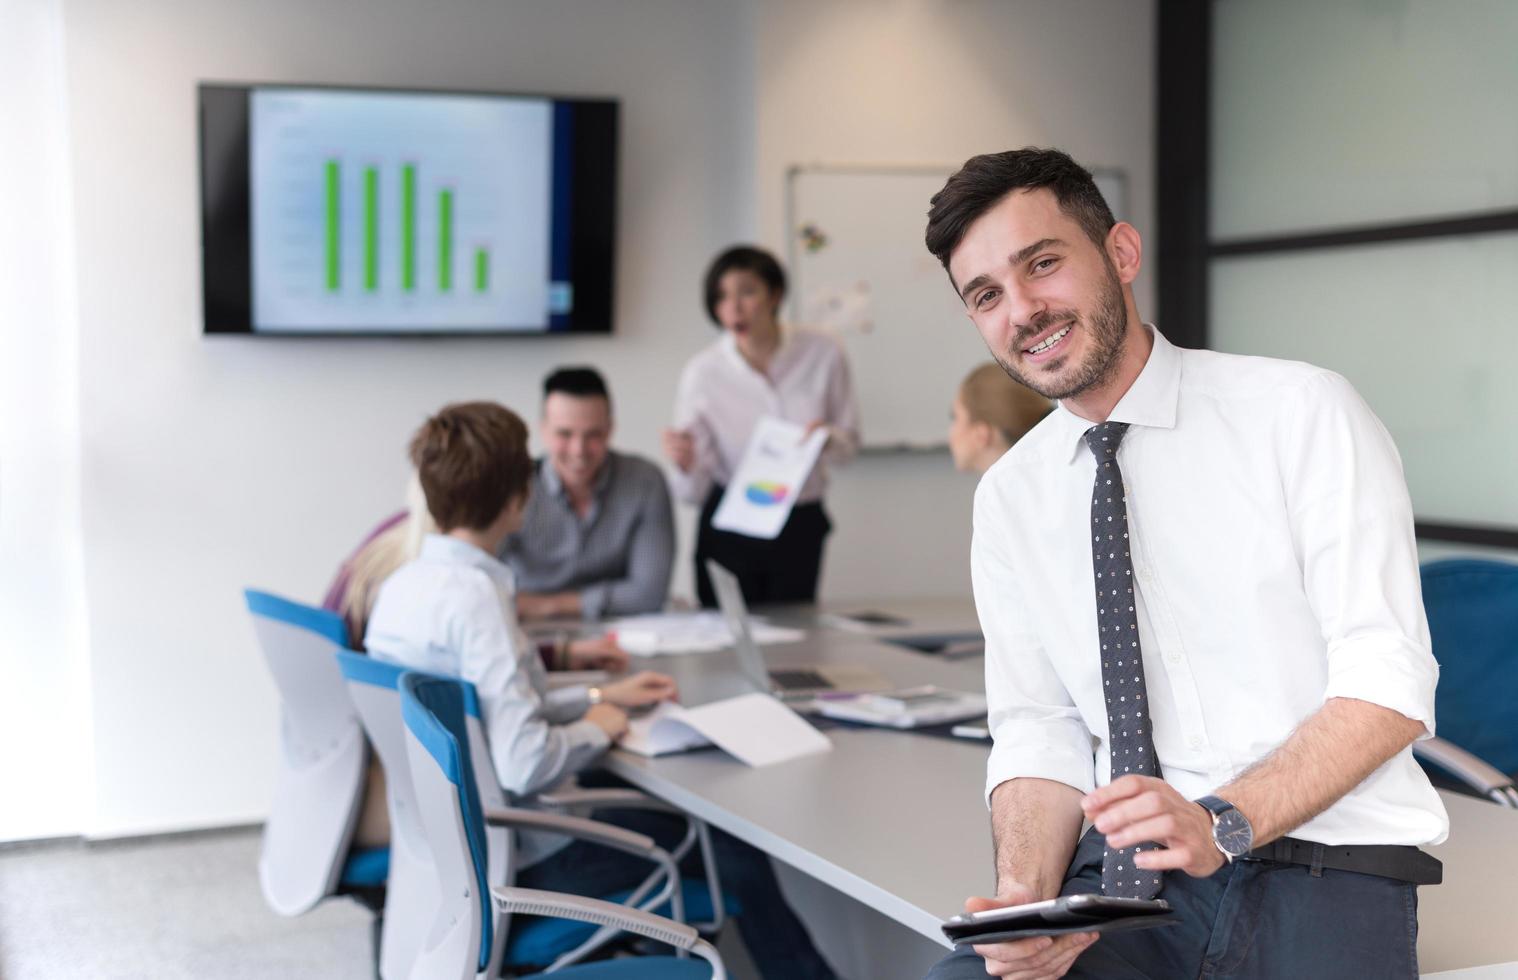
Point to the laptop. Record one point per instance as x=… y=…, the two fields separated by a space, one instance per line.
x=791 y=682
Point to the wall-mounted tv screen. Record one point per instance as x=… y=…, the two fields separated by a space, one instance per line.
x=375 y=211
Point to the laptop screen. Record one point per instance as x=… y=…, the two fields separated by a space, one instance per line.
x=735 y=611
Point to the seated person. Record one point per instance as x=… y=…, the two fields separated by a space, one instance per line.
x=991 y=412
x=393 y=542
x=598 y=538
x=398 y=539
x=452 y=611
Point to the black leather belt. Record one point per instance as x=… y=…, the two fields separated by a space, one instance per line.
x=1402 y=862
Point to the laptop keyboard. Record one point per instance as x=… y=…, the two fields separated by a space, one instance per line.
x=798 y=679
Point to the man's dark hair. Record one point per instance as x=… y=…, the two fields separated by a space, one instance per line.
x=746 y=258
x=471 y=459
x=581 y=382
x=986 y=179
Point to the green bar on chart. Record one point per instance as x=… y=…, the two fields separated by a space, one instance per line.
x=371 y=228
x=445 y=240
x=481 y=270
x=334 y=241
x=408 y=227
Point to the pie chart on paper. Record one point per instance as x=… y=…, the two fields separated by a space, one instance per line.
x=766 y=494
x=768 y=479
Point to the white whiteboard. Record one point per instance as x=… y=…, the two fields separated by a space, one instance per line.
x=860 y=271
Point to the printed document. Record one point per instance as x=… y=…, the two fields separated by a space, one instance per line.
x=755 y=728
x=762 y=492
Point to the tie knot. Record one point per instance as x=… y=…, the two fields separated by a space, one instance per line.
x=1105 y=438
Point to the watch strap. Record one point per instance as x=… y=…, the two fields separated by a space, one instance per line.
x=1215 y=805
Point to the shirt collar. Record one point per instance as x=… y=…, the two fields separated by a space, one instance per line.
x=553 y=485
x=451 y=551
x=729 y=342
x=1149 y=401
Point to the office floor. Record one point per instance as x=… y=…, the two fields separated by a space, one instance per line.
x=177 y=908
x=165 y=908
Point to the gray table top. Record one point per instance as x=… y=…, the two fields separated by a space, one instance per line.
x=896 y=820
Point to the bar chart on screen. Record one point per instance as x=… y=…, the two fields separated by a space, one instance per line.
x=381 y=210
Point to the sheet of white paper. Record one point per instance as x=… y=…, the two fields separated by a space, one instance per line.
x=690 y=632
x=763 y=490
x=755 y=728
x=662 y=731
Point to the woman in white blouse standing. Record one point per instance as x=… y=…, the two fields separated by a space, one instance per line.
x=757 y=368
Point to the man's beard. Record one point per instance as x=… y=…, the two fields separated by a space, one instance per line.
x=1107 y=326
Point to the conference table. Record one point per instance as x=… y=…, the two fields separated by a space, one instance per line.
x=896 y=820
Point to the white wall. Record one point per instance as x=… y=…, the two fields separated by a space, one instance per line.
x=935 y=82
x=211 y=464
x=214 y=463
x=44 y=710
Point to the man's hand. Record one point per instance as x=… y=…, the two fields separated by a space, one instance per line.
x=597 y=653
x=547 y=605
x=643 y=688
x=1134 y=809
x=1040 y=958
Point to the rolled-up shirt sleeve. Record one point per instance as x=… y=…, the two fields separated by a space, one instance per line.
x=562 y=705
x=1035 y=727
x=1352 y=525
x=528 y=750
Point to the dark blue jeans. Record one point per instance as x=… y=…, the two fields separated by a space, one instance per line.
x=1252 y=920
x=775 y=938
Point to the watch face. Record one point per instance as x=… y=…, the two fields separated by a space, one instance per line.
x=1233 y=833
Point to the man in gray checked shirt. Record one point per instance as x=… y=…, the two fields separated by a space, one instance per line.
x=598 y=536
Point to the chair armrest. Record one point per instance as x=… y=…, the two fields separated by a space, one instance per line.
x=578 y=827
x=1469 y=769
x=609 y=799
x=607 y=835
x=633 y=799
x=533 y=901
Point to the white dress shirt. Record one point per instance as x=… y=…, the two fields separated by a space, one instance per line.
x=1275 y=568
x=721 y=398
x=452 y=611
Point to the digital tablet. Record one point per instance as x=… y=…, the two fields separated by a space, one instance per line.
x=1057 y=916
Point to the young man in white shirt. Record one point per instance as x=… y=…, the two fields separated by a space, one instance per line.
x=1199 y=589
x=452 y=611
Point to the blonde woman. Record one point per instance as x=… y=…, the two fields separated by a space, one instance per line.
x=991 y=412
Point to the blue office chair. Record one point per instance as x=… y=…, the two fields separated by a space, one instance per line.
x=374 y=689
x=461 y=935
x=1472 y=607
x=319 y=785
x=411 y=897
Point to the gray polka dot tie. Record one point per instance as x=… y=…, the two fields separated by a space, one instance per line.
x=1129 y=736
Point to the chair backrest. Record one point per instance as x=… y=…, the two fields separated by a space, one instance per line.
x=411 y=893
x=1472 y=607
x=459 y=940
x=319 y=785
